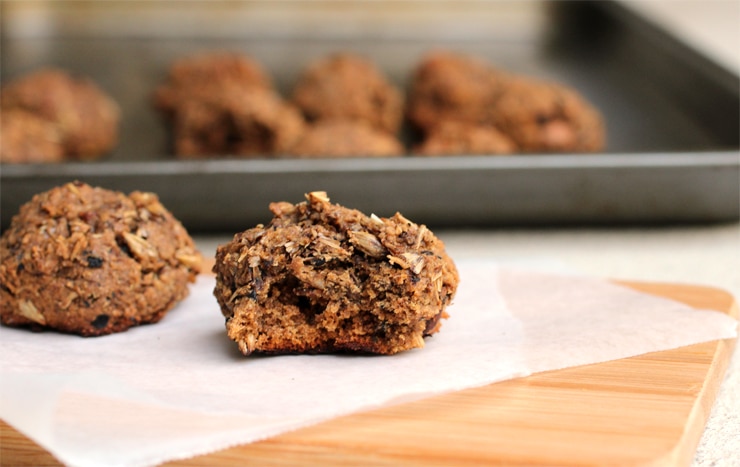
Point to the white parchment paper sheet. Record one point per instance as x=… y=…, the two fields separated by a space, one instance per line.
x=181 y=388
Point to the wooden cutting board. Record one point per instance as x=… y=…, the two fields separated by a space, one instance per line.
x=646 y=410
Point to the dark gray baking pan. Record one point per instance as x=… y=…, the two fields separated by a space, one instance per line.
x=672 y=115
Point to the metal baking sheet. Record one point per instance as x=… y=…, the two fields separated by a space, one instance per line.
x=672 y=115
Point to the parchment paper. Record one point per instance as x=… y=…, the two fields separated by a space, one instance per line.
x=181 y=388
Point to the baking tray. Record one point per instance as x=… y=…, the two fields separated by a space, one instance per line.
x=672 y=115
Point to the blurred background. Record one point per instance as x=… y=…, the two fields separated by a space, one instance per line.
x=663 y=73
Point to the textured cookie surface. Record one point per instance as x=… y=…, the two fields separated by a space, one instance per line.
x=91 y=261
x=324 y=278
x=452 y=86
x=548 y=117
x=346 y=86
x=197 y=77
x=345 y=138
x=27 y=138
x=83 y=116
x=224 y=104
x=455 y=138
x=236 y=122
x=524 y=115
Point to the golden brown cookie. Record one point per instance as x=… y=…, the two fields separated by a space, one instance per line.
x=324 y=278
x=452 y=86
x=345 y=138
x=224 y=104
x=27 y=138
x=199 y=75
x=451 y=138
x=535 y=115
x=85 y=117
x=236 y=122
x=349 y=87
x=547 y=117
x=91 y=261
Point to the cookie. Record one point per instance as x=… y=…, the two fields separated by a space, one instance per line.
x=27 y=138
x=199 y=75
x=90 y=261
x=535 y=115
x=542 y=116
x=224 y=104
x=324 y=278
x=236 y=122
x=349 y=87
x=452 y=138
x=345 y=138
x=86 y=118
x=452 y=86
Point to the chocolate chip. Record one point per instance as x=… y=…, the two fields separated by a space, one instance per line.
x=100 y=321
x=93 y=262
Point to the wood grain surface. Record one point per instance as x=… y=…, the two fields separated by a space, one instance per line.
x=646 y=410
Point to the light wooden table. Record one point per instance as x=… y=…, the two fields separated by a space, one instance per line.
x=645 y=410
x=702 y=255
